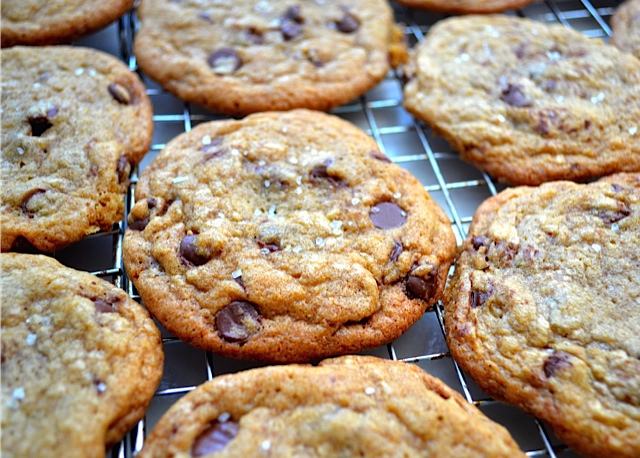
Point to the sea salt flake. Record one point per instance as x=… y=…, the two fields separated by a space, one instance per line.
x=18 y=394
x=101 y=387
x=299 y=180
x=298 y=191
x=596 y=247
x=297 y=249
x=179 y=179
x=224 y=417
x=293 y=160
x=355 y=201
x=598 y=98
x=553 y=55
x=236 y=273
x=369 y=390
x=31 y=339
x=319 y=242
x=265 y=445
x=206 y=140
x=221 y=215
x=262 y=163
x=633 y=130
x=272 y=210
x=267 y=183
x=397 y=195
x=20 y=151
x=559 y=98
x=615 y=227
x=79 y=71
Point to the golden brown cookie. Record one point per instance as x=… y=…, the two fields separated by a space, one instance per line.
x=466 y=6
x=80 y=360
x=239 y=57
x=74 y=122
x=285 y=236
x=528 y=102
x=348 y=406
x=543 y=310
x=625 y=27
x=37 y=22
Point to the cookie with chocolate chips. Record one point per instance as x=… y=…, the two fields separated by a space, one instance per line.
x=625 y=27
x=466 y=6
x=285 y=236
x=347 y=406
x=37 y=23
x=528 y=102
x=543 y=310
x=80 y=360
x=74 y=122
x=240 y=57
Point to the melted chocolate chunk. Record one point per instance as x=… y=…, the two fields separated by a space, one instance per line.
x=387 y=215
x=294 y=14
x=611 y=216
x=24 y=206
x=396 y=252
x=555 y=363
x=120 y=93
x=421 y=283
x=39 y=125
x=513 y=95
x=238 y=321
x=480 y=241
x=255 y=36
x=271 y=247
x=320 y=172
x=212 y=151
x=477 y=298
x=189 y=254
x=105 y=306
x=379 y=156
x=224 y=61
x=123 y=168
x=215 y=438
x=290 y=30
x=348 y=23
x=139 y=224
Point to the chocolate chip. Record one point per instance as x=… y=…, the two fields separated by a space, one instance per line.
x=270 y=247
x=189 y=252
x=396 y=252
x=104 y=306
x=421 y=281
x=616 y=187
x=52 y=111
x=39 y=125
x=214 y=438
x=139 y=224
x=224 y=61
x=320 y=172
x=123 y=168
x=152 y=202
x=387 y=215
x=24 y=206
x=294 y=14
x=255 y=36
x=205 y=17
x=290 y=30
x=313 y=56
x=120 y=93
x=480 y=241
x=555 y=363
x=238 y=321
x=611 y=216
x=379 y=156
x=348 y=23
x=514 y=95
x=477 y=298
x=213 y=149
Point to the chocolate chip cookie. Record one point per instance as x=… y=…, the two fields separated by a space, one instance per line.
x=543 y=310
x=528 y=102
x=625 y=27
x=37 y=23
x=348 y=406
x=74 y=122
x=80 y=360
x=285 y=236
x=239 y=57
x=466 y=6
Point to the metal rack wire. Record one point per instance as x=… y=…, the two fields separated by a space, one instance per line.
x=457 y=186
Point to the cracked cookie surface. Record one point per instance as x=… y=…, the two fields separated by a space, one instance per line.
x=528 y=102
x=80 y=360
x=348 y=406
x=74 y=122
x=543 y=309
x=240 y=57
x=38 y=23
x=284 y=237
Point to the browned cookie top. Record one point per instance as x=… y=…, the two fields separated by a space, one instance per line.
x=528 y=102
x=348 y=406
x=625 y=26
x=543 y=310
x=80 y=360
x=284 y=237
x=37 y=22
x=74 y=121
x=466 y=6
x=239 y=57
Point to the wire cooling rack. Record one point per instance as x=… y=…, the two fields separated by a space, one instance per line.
x=457 y=186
